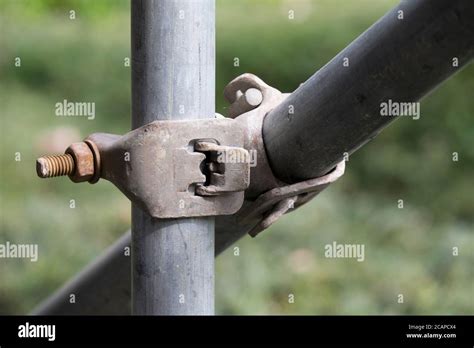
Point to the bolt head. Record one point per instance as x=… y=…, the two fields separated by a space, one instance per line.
x=84 y=162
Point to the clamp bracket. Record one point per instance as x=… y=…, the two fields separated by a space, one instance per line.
x=193 y=168
x=177 y=169
x=267 y=198
x=273 y=204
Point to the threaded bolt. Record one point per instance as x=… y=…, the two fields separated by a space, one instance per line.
x=56 y=165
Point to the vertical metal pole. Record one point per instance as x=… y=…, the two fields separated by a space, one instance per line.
x=173 y=77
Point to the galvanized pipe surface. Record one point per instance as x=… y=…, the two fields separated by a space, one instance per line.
x=173 y=77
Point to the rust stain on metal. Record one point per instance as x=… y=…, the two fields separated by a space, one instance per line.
x=79 y=162
x=83 y=160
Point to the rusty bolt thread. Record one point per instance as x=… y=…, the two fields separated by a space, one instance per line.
x=56 y=165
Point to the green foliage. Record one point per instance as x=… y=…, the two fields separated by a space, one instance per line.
x=408 y=251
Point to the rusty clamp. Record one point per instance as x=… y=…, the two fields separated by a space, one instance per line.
x=193 y=168
x=170 y=169
x=178 y=168
x=267 y=198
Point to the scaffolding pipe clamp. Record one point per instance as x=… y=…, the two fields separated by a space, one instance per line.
x=192 y=168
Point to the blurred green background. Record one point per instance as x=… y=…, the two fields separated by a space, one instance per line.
x=408 y=251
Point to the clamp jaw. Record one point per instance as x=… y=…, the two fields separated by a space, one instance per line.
x=195 y=168
x=177 y=169
x=268 y=198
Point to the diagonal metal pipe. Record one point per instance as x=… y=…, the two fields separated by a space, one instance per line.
x=401 y=58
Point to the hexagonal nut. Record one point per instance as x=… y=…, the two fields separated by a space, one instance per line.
x=84 y=162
